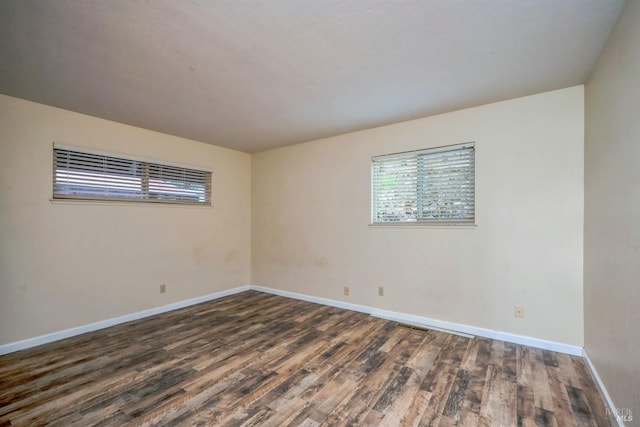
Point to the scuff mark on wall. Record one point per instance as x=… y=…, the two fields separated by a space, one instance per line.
x=321 y=262
x=199 y=250
x=231 y=255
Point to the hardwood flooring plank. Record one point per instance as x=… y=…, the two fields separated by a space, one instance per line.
x=543 y=418
x=525 y=406
x=532 y=372
x=509 y=362
x=475 y=362
x=561 y=402
x=592 y=393
x=457 y=395
x=438 y=393
x=499 y=398
x=580 y=407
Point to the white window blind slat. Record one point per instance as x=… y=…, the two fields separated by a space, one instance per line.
x=92 y=176
x=427 y=186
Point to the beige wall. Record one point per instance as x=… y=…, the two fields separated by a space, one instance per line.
x=66 y=265
x=612 y=213
x=311 y=209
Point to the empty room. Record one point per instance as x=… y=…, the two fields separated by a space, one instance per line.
x=319 y=213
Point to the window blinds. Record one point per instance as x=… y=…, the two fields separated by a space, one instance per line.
x=429 y=186
x=88 y=176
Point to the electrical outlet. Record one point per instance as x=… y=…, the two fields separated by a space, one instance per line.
x=163 y=288
x=381 y=291
x=518 y=311
x=346 y=290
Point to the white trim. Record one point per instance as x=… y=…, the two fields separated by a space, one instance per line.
x=138 y=202
x=317 y=300
x=477 y=331
x=450 y=327
x=426 y=322
x=422 y=225
x=55 y=336
x=603 y=389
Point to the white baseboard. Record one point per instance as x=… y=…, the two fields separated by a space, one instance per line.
x=426 y=322
x=55 y=336
x=603 y=389
x=317 y=300
x=450 y=327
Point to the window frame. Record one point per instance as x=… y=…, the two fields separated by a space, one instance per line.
x=142 y=178
x=416 y=155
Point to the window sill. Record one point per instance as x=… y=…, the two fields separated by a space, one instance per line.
x=83 y=202
x=422 y=225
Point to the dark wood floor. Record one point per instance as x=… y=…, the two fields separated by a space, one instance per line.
x=259 y=359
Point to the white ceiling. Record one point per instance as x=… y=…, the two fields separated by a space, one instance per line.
x=257 y=74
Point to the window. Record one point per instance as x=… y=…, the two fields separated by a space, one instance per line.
x=435 y=186
x=90 y=176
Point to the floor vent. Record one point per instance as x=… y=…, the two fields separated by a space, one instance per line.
x=427 y=329
x=417 y=328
